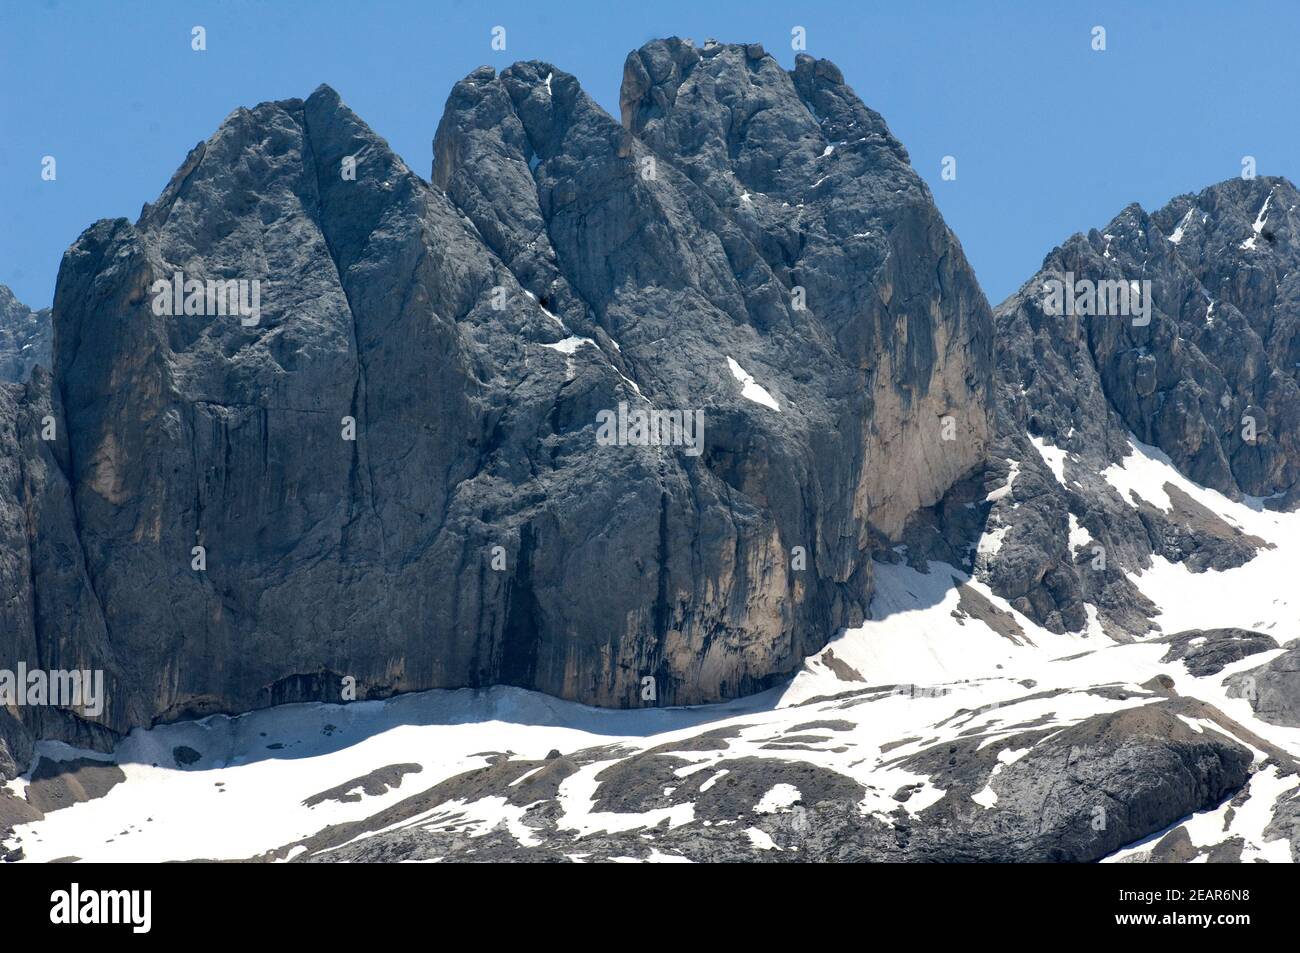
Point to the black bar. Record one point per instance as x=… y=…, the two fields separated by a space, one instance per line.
x=390 y=903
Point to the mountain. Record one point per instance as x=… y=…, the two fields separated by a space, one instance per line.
x=390 y=466
x=929 y=582
x=25 y=338
x=1206 y=381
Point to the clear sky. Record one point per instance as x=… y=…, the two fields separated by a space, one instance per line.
x=1050 y=136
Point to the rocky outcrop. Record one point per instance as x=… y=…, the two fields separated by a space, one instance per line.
x=409 y=453
x=49 y=614
x=390 y=468
x=25 y=338
x=1180 y=336
x=1286 y=823
x=1210 y=378
x=1273 y=689
x=1208 y=652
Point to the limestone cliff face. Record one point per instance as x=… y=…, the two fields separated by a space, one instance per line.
x=827 y=198
x=392 y=471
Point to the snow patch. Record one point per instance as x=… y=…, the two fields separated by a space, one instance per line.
x=1177 y=235
x=750 y=388
x=779 y=798
x=1003 y=490
x=570 y=344
x=1054 y=457
x=1260 y=220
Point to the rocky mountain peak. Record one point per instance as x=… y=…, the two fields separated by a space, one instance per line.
x=651 y=414
x=402 y=453
x=1169 y=337
x=732 y=112
x=1205 y=366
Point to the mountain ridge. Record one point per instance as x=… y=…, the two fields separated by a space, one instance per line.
x=466 y=427
x=926 y=580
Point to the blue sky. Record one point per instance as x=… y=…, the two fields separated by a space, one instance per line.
x=1050 y=137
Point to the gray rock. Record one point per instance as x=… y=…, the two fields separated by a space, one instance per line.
x=474 y=532
x=1273 y=689
x=1218 y=354
x=1221 y=344
x=741 y=220
x=371 y=784
x=826 y=195
x=1208 y=651
x=1286 y=823
x=59 y=784
x=1176 y=847
x=25 y=338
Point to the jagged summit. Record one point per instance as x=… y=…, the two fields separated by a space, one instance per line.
x=1201 y=371
x=1218 y=220
x=394 y=468
x=1223 y=338
x=751 y=81
x=644 y=413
